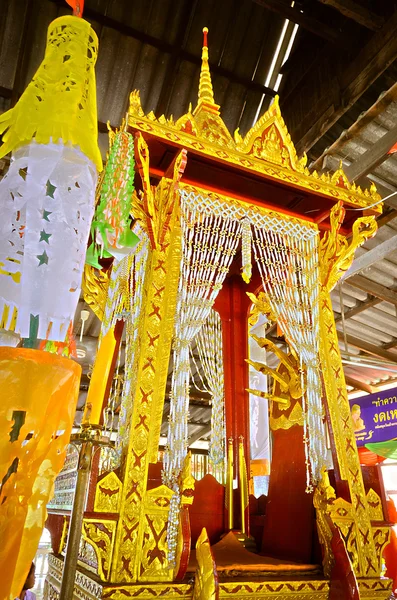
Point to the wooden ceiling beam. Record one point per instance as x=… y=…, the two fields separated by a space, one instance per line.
x=374 y=289
x=199 y=434
x=359 y=385
x=365 y=119
x=369 y=348
x=371 y=257
x=315 y=26
x=359 y=308
x=373 y=157
x=348 y=85
x=356 y=12
x=389 y=345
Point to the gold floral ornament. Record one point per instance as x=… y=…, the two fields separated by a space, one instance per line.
x=95 y=288
x=60 y=101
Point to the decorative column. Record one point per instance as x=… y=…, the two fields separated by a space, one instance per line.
x=352 y=516
x=140 y=551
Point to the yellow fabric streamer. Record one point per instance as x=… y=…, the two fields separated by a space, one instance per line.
x=39 y=394
x=60 y=101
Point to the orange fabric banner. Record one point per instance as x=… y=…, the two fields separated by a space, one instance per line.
x=38 y=399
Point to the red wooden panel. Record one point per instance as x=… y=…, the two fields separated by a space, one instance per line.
x=207 y=509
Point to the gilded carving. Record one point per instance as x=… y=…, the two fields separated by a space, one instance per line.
x=108 y=494
x=374 y=506
x=352 y=519
x=276 y=590
x=95 y=286
x=131 y=556
x=100 y=534
x=206 y=585
x=335 y=252
x=267 y=149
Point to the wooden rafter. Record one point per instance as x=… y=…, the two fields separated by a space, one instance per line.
x=315 y=26
x=359 y=308
x=374 y=289
x=199 y=434
x=359 y=385
x=372 y=256
x=350 y=82
x=365 y=119
x=373 y=157
x=358 y=13
x=369 y=348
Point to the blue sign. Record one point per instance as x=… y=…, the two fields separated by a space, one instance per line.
x=375 y=417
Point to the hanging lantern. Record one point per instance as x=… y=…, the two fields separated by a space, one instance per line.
x=47 y=197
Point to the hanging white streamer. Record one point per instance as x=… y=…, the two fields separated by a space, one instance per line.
x=288 y=266
x=208 y=245
x=124 y=302
x=46 y=203
x=210 y=351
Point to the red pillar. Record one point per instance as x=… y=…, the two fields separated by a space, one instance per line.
x=233 y=305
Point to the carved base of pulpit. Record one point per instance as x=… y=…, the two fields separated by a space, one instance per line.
x=87 y=588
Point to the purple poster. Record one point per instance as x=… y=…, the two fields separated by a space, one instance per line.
x=375 y=417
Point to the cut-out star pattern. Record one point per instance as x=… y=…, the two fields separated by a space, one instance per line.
x=42 y=258
x=46 y=214
x=50 y=189
x=45 y=237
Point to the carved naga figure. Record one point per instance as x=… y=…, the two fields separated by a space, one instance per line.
x=289 y=378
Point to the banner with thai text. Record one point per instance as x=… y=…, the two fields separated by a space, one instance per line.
x=375 y=417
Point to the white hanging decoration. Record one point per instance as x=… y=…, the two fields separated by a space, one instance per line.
x=210 y=352
x=47 y=197
x=209 y=243
x=288 y=265
x=47 y=202
x=246 y=240
x=124 y=302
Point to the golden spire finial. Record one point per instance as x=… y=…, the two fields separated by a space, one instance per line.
x=206 y=93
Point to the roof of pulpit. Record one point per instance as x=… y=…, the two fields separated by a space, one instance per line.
x=266 y=152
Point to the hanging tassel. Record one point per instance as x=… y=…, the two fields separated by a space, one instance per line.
x=246 y=249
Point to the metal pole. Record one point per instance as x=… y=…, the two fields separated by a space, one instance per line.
x=76 y=521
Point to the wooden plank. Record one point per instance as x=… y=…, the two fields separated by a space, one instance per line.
x=319 y=28
x=359 y=385
x=389 y=345
x=359 y=308
x=371 y=257
x=349 y=85
x=358 y=13
x=199 y=434
x=354 y=130
x=373 y=157
x=373 y=288
x=369 y=348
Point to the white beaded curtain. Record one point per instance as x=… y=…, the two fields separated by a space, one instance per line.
x=124 y=302
x=287 y=259
x=209 y=242
x=210 y=354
